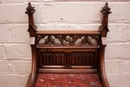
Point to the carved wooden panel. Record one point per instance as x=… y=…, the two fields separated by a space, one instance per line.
x=68 y=60
x=67 y=40
x=53 y=58
x=82 y=59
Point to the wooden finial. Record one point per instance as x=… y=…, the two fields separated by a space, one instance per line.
x=30 y=10
x=106 y=10
x=104 y=25
x=32 y=27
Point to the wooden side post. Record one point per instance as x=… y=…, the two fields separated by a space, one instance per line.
x=104 y=29
x=32 y=31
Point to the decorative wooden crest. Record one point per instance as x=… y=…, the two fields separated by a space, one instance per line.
x=68 y=40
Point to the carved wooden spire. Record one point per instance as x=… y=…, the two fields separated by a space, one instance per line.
x=32 y=27
x=104 y=25
x=106 y=10
x=30 y=10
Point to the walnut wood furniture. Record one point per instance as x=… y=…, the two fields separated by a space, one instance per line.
x=68 y=58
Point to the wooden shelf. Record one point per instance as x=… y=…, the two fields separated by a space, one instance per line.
x=67 y=32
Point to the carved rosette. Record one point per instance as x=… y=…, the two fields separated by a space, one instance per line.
x=30 y=10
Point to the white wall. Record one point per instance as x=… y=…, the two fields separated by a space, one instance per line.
x=15 y=52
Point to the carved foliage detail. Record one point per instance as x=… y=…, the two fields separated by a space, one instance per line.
x=30 y=10
x=106 y=10
x=68 y=40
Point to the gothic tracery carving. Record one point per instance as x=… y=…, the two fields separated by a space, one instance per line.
x=68 y=40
